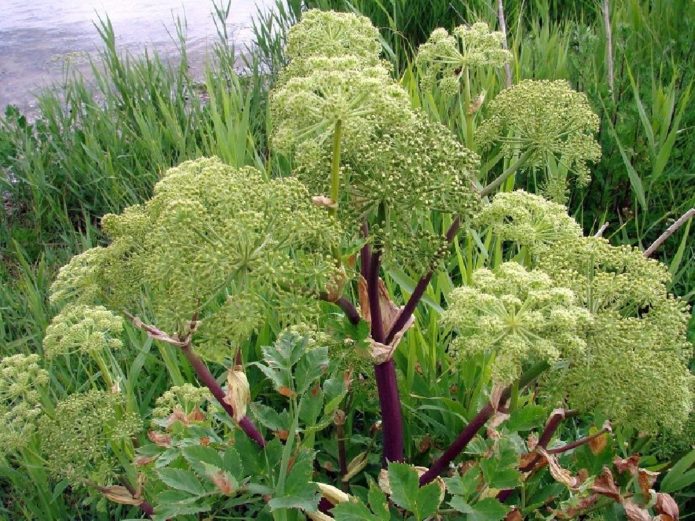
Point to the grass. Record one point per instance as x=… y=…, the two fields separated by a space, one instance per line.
x=99 y=147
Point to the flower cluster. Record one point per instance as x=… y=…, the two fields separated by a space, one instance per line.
x=216 y=243
x=21 y=381
x=633 y=368
x=187 y=398
x=344 y=106
x=81 y=438
x=333 y=35
x=83 y=329
x=445 y=57
x=552 y=123
x=528 y=220
x=521 y=316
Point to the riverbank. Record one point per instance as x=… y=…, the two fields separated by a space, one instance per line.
x=40 y=41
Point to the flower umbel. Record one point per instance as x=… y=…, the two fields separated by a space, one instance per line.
x=554 y=123
x=521 y=316
x=444 y=58
x=78 y=439
x=21 y=381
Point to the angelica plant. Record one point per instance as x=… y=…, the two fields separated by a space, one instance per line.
x=222 y=258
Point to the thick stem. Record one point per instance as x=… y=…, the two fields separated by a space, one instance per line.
x=551 y=426
x=578 y=443
x=207 y=379
x=335 y=167
x=348 y=307
x=389 y=401
x=469 y=432
x=419 y=291
x=504 y=175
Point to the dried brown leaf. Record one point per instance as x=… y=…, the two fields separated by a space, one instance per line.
x=119 y=494
x=238 y=393
x=605 y=485
x=160 y=439
x=635 y=512
x=561 y=475
x=630 y=464
x=667 y=507
x=223 y=481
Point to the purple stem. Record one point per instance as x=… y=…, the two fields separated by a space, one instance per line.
x=147 y=509
x=385 y=373
x=390 y=404
x=419 y=290
x=206 y=377
x=480 y=419
x=348 y=307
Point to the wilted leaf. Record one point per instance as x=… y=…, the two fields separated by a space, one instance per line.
x=238 y=393
x=605 y=485
x=559 y=474
x=286 y=392
x=389 y=313
x=158 y=438
x=635 y=512
x=514 y=515
x=630 y=464
x=141 y=461
x=224 y=482
x=598 y=444
x=667 y=507
x=646 y=480
x=120 y=495
x=332 y=494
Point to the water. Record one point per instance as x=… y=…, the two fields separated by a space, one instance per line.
x=38 y=37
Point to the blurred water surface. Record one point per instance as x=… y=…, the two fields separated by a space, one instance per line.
x=38 y=37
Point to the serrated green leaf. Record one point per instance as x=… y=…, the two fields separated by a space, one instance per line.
x=172 y=503
x=180 y=479
x=488 y=509
x=404 y=483
x=305 y=498
x=526 y=418
x=310 y=407
x=197 y=456
x=270 y=418
x=428 y=499
x=310 y=368
x=378 y=502
x=353 y=512
x=232 y=463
